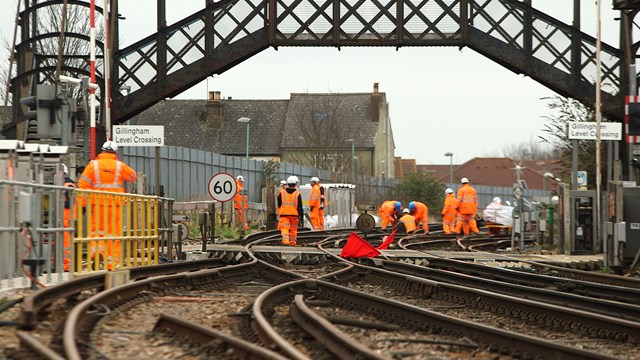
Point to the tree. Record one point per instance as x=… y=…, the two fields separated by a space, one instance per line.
x=421 y=187
x=321 y=124
x=556 y=127
x=531 y=150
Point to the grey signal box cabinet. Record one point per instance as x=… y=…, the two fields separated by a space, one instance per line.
x=582 y=205
x=631 y=215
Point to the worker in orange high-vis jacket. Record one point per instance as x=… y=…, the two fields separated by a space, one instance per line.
x=449 y=212
x=290 y=211
x=283 y=185
x=66 y=220
x=241 y=202
x=407 y=221
x=106 y=173
x=421 y=212
x=322 y=205
x=387 y=212
x=314 y=204
x=467 y=208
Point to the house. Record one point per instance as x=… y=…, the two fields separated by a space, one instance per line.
x=404 y=167
x=499 y=172
x=345 y=132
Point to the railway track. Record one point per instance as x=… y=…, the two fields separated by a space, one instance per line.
x=232 y=310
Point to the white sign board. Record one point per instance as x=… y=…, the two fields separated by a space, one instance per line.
x=580 y=130
x=581 y=178
x=138 y=135
x=222 y=187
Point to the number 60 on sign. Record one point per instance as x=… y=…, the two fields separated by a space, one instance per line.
x=222 y=187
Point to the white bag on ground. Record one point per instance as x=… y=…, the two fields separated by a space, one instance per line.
x=498 y=213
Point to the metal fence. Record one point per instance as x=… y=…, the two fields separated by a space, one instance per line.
x=185 y=173
x=42 y=242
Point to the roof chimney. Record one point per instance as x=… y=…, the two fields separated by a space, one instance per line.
x=375 y=88
x=214 y=95
x=210 y=97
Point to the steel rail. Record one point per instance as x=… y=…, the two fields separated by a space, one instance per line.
x=561 y=272
x=41 y=299
x=613 y=320
x=408 y=316
x=603 y=307
x=337 y=342
x=34 y=345
x=591 y=289
x=204 y=335
x=80 y=320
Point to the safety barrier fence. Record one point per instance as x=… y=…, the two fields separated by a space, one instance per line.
x=48 y=232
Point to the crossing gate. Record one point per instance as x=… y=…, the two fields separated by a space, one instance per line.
x=101 y=230
x=115 y=230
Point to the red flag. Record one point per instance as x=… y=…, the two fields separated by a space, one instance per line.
x=358 y=247
x=389 y=239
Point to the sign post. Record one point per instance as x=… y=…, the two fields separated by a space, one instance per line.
x=142 y=135
x=222 y=187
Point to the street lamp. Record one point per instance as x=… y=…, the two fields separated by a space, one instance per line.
x=353 y=159
x=450 y=155
x=246 y=120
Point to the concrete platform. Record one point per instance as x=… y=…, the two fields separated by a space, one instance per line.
x=286 y=252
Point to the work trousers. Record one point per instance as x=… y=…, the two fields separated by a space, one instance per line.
x=289 y=229
x=314 y=215
x=66 y=244
x=466 y=223
x=386 y=220
x=242 y=219
x=449 y=225
x=106 y=221
x=321 y=227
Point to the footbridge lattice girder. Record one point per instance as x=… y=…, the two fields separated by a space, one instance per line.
x=227 y=32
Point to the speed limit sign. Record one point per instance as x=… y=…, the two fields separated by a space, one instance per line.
x=222 y=187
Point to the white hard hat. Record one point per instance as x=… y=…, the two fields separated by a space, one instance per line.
x=496 y=200
x=65 y=169
x=464 y=180
x=283 y=182
x=315 y=179
x=406 y=211
x=240 y=178
x=292 y=179
x=110 y=146
x=448 y=191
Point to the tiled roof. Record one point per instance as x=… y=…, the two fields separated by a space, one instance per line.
x=193 y=124
x=498 y=172
x=213 y=126
x=436 y=171
x=404 y=167
x=495 y=172
x=352 y=110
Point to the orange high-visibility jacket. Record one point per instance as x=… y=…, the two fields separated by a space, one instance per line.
x=314 y=198
x=467 y=200
x=290 y=202
x=409 y=222
x=421 y=212
x=388 y=208
x=449 y=210
x=106 y=173
x=237 y=199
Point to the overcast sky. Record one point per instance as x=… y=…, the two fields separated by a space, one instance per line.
x=441 y=99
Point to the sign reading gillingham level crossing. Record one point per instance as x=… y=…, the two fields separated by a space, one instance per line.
x=138 y=135
x=587 y=130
